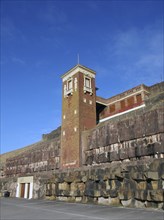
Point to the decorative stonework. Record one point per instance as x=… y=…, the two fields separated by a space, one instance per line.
x=75 y=84
x=72 y=72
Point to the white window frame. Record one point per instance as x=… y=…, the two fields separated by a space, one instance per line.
x=68 y=88
x=87 y=85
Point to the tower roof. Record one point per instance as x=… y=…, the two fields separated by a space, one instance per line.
x=76 y=69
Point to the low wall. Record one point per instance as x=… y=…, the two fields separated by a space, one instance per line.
x=135 y=184
x=129 y=184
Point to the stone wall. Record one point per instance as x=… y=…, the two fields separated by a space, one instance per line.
x=137 y=183
x=127 y=139
x=43 y=157
x=122 y=162
x=133 y=184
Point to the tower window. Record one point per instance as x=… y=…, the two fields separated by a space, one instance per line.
x=87 y=85
x=68 y=87
x=69 y=84
x=87 y=82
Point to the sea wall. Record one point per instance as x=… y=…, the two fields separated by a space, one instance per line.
x=132 y=184
x=128 y=139
x=43 y=157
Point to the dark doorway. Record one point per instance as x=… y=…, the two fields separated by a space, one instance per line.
x=22 y=190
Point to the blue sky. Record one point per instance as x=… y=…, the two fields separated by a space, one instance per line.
x=121 y=40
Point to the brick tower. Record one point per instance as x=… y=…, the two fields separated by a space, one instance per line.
x=78 y=112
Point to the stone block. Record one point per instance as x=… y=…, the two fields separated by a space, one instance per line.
x=97 y=193
x=123 y=154
x=139 y=204
x=152 y=175
x=131 y=153
x=141 y=185
x=84 y=179
x=89 y=188
x=114 y=201
x=78 y=199
x=154 y=185
x=138 y=176
x=125 y=194
x=73 y=189
x=127 y=203
x=151 y=125
x=158 y=147
x=113 y=156
x=89 y=160
x=151 y=204
x=139 y=126
x=113 y=193
x=112 y=133
x=93 y=140
x=81 y=187
x=102 y=136
x=155 y=195
x=102 y=158
x=63 y=186
x=103 y=201
x=141 y=195
x=62 y=198
x=160 y=114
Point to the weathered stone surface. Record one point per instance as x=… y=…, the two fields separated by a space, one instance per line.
x=156 y=195
x=141 y=185
x=125 y=194
x=139 y=204
x=103 y=201
x=127 y=203
x=141 y=195
x=152 y=175
x=138 y=176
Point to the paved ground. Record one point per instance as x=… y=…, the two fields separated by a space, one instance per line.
x=21 y=209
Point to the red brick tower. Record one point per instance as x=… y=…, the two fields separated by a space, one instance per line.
x=78 y=112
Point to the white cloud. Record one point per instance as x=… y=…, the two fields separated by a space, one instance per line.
x=137 y=55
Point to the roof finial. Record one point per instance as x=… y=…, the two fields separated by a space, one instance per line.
x=78 y=59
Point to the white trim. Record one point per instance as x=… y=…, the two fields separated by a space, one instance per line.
x=106 y=104
x=78 y=69
x=31 y=190
x=26 y=191
x=139 y=92
x=18 y=190
x=121 y=113
x=26 y=180
x=70 y=164
x=102 y=103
